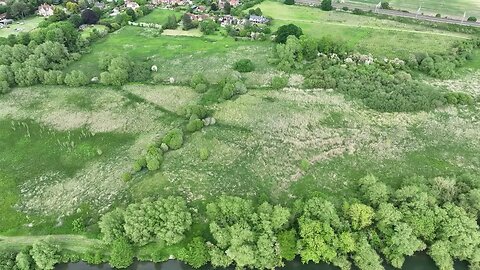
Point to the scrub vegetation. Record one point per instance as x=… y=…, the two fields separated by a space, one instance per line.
x=337 y=138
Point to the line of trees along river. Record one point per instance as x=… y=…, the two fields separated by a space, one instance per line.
x=419 y=261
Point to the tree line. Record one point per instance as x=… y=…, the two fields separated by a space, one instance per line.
x=379 y=224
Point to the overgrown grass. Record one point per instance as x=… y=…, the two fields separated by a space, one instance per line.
x=454 y=8
x=366 y=34
x=177 y=56
x=30 y=151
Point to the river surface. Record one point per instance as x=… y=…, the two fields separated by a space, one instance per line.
x=419 y=261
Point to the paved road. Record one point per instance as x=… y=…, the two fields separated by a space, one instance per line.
x=405 y=14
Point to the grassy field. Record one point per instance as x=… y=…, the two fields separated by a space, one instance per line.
x=177 y=56
x=454 y=8
x=159 y=16
x=25 y=25
x=366 y=34
x=275 y=145
x=63 y=150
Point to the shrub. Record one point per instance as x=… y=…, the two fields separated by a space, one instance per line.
x=76 y=78
x=438 y=15
x=459 y=99
x=244 y=65
x=45 y=254
x=197 y=79
x=208 y=27
x=289 y=2
x=326 y=5
x=154 y=158
x=345 y=9
x=287 y=30
x=201 y=88
x=127 y=177
x=121 y=253
x=174 y=139
x=89 y=16
x=171 y=22
x=194 y=125
x=203 y=153
x=279 y=82
x=385 y=5
x=139 y=164
x=472 y=19
x=194 y=111
x=4 y=87
x=53 y=77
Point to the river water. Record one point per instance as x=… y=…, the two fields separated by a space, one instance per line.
x=419 y=261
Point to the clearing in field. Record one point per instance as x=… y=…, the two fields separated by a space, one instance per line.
x=25 y=25
x=159 y=16
x=180 y=57
x=366 y=34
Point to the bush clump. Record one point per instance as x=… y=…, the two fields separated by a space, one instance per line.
x=194 y=111
x=279 y=82
x=76 y=78
x=244 y=66
x=154 y=158
x=194 y=125
x=174 y=139
x=459 y=98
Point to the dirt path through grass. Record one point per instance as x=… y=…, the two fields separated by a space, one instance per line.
x=76 y=243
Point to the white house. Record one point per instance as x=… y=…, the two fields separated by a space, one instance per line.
x=258 y=19
x=131 y=4
x=45 y=10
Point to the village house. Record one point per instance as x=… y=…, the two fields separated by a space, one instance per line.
x=258 y=19
x=230 y=20
x=170 y=2
x=199 y=17
x=233 y=3
x=45 y=10
x=131 y=4
x=199 y=9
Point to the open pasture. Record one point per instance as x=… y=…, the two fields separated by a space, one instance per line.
x=366 y=34
x=178 y=57
x=453 y=8
x=276 y=145
x=159 y=16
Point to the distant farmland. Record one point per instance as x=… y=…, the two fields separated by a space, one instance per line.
x=452 y=8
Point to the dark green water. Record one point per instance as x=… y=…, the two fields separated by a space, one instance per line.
x=419 y=261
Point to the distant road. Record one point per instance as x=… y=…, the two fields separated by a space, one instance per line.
x=366 y=7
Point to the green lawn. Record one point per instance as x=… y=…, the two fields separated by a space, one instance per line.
x=366 y=34
x=159 y=16
x=444 y=7
x=25 y=25
x=88 y=31
x=177 y=56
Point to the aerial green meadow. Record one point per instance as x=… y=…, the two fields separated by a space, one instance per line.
x=281 y=125
x=455 y=8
